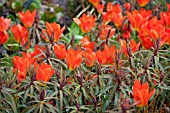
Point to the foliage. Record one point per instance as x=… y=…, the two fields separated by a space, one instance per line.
x=114 y=57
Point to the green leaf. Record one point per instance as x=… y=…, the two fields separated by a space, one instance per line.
x=61 y=100
x=10 y=99
x=85 y=93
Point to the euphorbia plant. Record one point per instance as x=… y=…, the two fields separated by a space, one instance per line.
x=111 y=59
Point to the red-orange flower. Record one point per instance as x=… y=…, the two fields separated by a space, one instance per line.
x=142 y=3
x=137 y=18
x=133 y=46
x=165 y=17
x=3 y=37
x=100 y=55
x=105 y=30
x=152 y=30
x=85 y=22
x=27 y=18
x=53 y=31
x=86 y=43
x=4 y=23
x=44 y=72
x=168 y=36
x=126 y=35
x=21 y=65
x=118 y=19
x=20 y=33
x=112 y=12
x=60 y=51
x=21 y=74
x=141 y=93
x=116 y=8
x=109 y=54
x=94 y=2
x=100 y=7
x=73 y=58
x=127 y=6
x=90 y=57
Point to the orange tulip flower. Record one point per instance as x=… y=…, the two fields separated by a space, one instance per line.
x=109 y=15
x=152 y=30
x=141 y=93
x=106 y=16
x=73 y=58
x=126 y=35
x=90 y=57
x=44 y=72
x=3 y=37
x=127 y=6
x=20 y=33
x=100 y=7
x=105 y=30
x=4 y=23
x=22 y=64
x=54 y=31
x=109 y=54
x=100 y=55
x=21 y=74
x=60 y=51
x=116 y=8
x=168 y=36
x=94 y=2
x=133 y=46
x=142 y=3
x=86 y=43
x=106 y=56
x=27 y=18
x=118 y=19
x=85 y=22
x=165 y=17
x=137 y=18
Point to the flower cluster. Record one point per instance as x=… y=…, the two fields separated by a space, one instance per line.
x=112 y=58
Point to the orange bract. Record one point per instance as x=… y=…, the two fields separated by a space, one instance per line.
x=85 y=22
x=107 y=56
x=142 y=3
x=100 y=7
x=87 y=44
x=4 y=23
x=44 y=72
x=105 y=30
x=20 y=33
x=90 y=57
x=152 y=30
x=94 y=2
x=53 y=31
x=27 y=18
x=127 y=6
x=73 y=58
x=141 y=93
x=3 y=37
x=118 y=19
x=137 y=18
x=60 y=51
x=22 y=64
x=133 y=46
